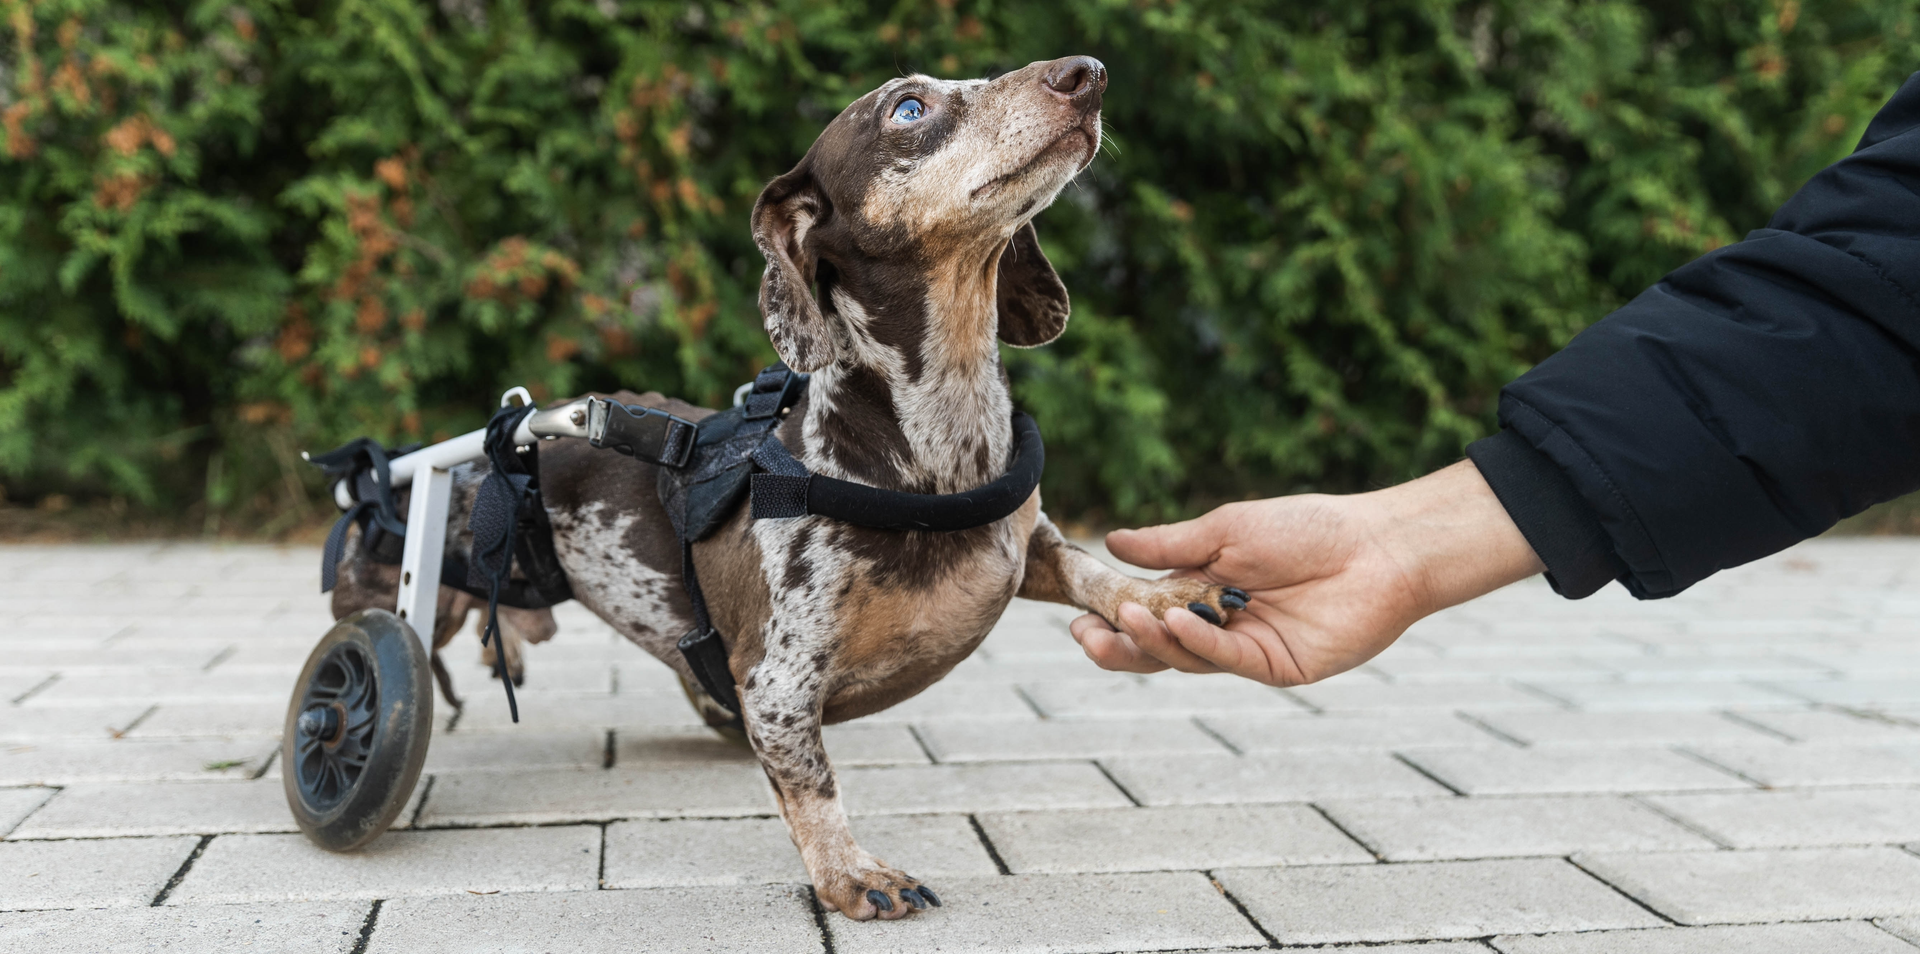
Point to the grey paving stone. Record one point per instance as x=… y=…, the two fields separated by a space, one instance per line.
x=650 y=854
x=118 y=872
x=1569 y=770
x=67 y=763
x=744 y=920
x=240 y=868
x=1832 y=937
x=516 y=752
x=1447 y=829
x=986 y=742
x=319 y=928
x=872 y=744
x=176 y=720
x=1280 y=777
x=1058 y=914
x=1012 y=786
x=1414 y=670
x=1436 y=947
x=1116 y=697
x=1445 y=697
x=28 y=724
x=554 y=711
x=958 y=701
x=1788 y=766
x=566 y=795
x=1167 y=839
x=1713 y=668
x=182 y=685
x=1861 y=693
x=1833 y=728
x=18 y=803
x=1385 y=733
x=636 y=748
x=542 y=675
x=1803 y=818
x=1907 y=928
x=1453 y=899
x=108 y=810
x=1620 y=728
x=14 y=685
x=1670 y=696
x=1720 y=887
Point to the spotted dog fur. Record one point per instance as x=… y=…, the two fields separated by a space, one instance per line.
x=898 y=256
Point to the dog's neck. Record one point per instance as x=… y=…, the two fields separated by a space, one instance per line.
x=917 y=400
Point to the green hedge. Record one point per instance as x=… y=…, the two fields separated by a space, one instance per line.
x=1323 y=235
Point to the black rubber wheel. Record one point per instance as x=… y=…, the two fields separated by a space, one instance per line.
x=357 y=730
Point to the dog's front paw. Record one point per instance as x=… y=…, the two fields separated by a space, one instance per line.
x=876 y=891
x=1215 y=604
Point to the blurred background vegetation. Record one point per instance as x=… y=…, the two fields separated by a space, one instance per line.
x=1324 y=234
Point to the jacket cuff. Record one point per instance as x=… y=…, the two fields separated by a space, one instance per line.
x=1550 y=513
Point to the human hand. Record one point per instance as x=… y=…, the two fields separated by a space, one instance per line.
x=1332 y=580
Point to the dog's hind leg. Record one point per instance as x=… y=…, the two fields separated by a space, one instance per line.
x=783 y=698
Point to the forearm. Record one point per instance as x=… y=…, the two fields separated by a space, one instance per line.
x=1450 y=536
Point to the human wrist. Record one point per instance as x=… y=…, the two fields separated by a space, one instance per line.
x=1451 y=537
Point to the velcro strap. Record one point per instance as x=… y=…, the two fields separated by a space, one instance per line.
x=771 y=388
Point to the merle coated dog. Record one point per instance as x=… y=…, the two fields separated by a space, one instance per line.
x=900 y=252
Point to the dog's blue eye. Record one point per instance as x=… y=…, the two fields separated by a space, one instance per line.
x=909 y=111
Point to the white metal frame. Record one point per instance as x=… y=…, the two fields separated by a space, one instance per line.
x=429 y=471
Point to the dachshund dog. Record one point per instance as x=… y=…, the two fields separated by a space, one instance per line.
x=900 y=251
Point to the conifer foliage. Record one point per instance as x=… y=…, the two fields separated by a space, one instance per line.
x=1322 y=236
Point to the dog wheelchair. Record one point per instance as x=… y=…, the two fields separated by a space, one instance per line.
x=361 y=715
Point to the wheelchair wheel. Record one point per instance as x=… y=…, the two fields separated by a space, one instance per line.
x=357 y=730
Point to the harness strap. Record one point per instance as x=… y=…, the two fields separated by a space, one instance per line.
x=787 y=489
x=704 y=650
x=494 y=523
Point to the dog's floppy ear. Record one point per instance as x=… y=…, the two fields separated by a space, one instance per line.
x=787 y=208
x=1032 y=301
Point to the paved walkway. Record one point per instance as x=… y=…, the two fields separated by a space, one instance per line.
x=1734 y=770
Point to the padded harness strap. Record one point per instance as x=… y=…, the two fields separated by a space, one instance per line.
x=788 y=489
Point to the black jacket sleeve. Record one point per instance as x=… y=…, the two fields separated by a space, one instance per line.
x=1748 y=401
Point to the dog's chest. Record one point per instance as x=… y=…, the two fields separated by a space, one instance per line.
x=892 y=612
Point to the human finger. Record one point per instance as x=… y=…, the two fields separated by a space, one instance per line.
x=1151 y=637
x=1109 y=649
x=1262 y=656
x=1169 y=546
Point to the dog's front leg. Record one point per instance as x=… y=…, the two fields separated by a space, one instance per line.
x=783 y=698
x=1059 y=572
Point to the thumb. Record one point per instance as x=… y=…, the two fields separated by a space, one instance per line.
x=1189 y=543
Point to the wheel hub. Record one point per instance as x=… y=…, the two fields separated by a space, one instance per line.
x=334 y=733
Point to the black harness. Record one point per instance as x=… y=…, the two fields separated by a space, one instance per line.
x=706 y=470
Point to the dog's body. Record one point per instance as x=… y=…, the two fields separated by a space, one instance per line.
x=918 y=238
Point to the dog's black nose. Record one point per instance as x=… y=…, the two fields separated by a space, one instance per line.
x=1075 y=77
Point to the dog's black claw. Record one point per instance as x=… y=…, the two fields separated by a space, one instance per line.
x=1232 y=601
x=1205 y=612
x=1235 y=592
x=927 y=893
x=880 y=900
x=908 y=895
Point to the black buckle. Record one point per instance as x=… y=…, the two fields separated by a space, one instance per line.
x=640 y=432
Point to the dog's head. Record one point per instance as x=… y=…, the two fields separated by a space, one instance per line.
x=918 y=186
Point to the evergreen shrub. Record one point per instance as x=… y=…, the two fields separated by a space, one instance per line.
x=1324 y=232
